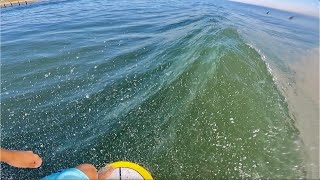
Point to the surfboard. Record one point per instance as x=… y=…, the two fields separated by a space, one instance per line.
x=129 y=170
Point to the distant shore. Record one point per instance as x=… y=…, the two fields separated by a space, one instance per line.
x=8 y=3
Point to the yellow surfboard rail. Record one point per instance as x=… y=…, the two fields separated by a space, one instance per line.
x=126 y=164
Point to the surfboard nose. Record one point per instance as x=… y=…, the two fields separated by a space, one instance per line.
x=128 y=170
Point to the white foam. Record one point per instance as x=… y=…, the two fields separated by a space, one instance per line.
x=263 y=57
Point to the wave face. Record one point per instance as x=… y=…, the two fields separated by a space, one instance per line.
x=171 y=86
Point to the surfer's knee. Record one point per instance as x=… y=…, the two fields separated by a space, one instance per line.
x=89 y=170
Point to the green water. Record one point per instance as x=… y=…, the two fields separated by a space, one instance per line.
x=185 y=96
x=222 y=117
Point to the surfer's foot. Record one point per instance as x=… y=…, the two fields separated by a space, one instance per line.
x=89 y=170
x=20 y=159
x=105 y=172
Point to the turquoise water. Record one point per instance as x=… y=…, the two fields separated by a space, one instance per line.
x=174 y=86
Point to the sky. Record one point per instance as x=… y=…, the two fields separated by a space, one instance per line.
x=308 y=7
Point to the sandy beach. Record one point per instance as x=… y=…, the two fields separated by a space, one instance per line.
x=8 y=3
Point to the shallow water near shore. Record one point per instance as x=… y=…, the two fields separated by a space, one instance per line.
x=192 y=90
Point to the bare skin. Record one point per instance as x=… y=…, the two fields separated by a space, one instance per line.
x=89 y=170
x=20 y=159
x=105 y=172
x=28 y=159
x=92 y=173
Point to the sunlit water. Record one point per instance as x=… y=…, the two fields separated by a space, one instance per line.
x=183 y=88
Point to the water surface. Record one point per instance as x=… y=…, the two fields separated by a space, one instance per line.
x=179 y=87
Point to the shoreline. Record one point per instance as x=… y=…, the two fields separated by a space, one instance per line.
x=9 y=3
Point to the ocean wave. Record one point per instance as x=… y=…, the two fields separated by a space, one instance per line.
x=187 y=97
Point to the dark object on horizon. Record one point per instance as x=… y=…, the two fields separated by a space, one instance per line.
x=11 y=3
x=19 y=3
x=267 y=12
x=4 y=5
x=291 y=17
x=26 y=3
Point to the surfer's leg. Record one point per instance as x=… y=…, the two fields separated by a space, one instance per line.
x=89 y=170
x=83 y=172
